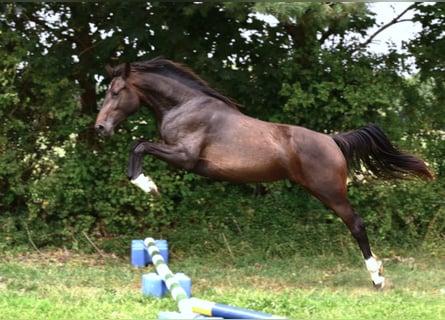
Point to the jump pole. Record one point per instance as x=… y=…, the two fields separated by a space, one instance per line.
x=213 y=309
x=177 y=292
x=195 y=306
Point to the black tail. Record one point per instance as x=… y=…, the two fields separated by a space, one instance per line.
x=370 y=146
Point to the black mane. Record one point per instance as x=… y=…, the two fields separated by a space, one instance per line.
x=177 y=71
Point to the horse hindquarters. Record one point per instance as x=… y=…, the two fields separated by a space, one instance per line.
x=323 y=173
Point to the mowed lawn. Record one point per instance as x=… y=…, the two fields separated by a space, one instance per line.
x=61 y=284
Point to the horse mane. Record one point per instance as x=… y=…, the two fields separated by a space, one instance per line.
x=182 y=73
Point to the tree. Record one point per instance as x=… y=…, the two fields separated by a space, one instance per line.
x=30 y=97
x=427 y=48
x=53 y=171
x=329 y=71
x=312 y=69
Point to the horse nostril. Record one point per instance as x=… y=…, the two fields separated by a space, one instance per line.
x=100 y=127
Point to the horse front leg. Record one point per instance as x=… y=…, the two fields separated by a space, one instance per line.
x=176 y=155
x=135 y=174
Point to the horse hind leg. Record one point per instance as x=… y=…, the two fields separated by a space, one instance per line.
x=356 y=226
x=325 y=178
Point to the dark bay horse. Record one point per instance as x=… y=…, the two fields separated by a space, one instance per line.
x=205 y=133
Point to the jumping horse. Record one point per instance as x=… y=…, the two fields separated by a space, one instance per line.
x=204 y=132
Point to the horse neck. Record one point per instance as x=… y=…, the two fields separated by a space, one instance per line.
x=160 y=93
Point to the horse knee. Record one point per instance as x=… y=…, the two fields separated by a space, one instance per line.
x=134 y=145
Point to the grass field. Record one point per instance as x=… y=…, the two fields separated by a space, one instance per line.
x=60 y=284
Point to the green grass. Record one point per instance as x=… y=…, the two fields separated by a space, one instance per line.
x=64 y=285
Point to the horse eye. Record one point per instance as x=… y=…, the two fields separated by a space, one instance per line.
x=114 y=93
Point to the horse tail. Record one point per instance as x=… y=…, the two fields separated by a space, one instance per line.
x=371 y=147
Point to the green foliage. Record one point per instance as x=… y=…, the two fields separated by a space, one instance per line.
x=58 y=179
x=425 y=49
x=402 y=214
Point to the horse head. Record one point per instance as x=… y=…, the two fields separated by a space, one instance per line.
x=121 y=100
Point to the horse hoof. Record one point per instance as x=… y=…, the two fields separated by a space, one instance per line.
x=379 y=286
x=154 y=192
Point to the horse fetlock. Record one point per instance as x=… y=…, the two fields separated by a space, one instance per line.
x=146 y=184
x=374 y=265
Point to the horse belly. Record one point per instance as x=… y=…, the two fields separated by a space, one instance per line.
x=242 y=149
x=242 y=166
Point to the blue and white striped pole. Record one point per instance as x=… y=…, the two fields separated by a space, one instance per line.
x=194 y=307
x=177 y=292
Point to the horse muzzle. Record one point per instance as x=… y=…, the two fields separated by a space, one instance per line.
x=104 y=129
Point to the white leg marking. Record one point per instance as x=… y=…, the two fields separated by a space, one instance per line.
x=374 y=268
x=146 y=184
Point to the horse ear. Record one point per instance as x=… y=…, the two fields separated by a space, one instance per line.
x=127 y=70
x=109 y=69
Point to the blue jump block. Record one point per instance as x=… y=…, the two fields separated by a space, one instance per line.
x=139 y=255
x=152 y=284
